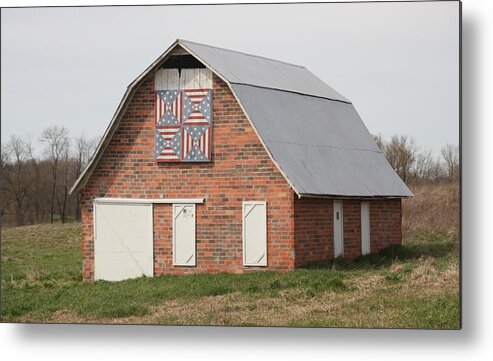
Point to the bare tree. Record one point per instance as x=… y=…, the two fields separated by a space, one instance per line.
x=450 y=154
x=80 y=151
x=437 y=171
x=18 y=149
x=6 y=198
x=63 y=194
x=14 y=177
x=84 y=149
x=56 y=145
x=380 y=142
x=424 y=166
x=35 y=185
x=401 y=154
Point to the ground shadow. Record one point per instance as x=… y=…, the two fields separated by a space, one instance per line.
x=388 y=256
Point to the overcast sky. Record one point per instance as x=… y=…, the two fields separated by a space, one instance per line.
x=397 y=62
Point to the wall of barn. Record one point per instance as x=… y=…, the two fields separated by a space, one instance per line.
x=240 y=170
x=385 y=224
x=314 y=232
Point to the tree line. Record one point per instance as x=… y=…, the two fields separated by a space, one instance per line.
x=34 y=189
x=415 y=165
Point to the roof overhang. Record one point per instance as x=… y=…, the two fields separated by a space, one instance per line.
x=355 y=197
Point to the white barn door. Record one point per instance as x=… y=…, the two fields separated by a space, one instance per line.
x=338 y=229
x=365 y=227
x=254 y=233
x=123 y=241
x=184 y=234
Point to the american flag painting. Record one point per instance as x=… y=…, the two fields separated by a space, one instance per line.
x=183 y=125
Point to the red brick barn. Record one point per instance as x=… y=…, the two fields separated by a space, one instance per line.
x=220 y=161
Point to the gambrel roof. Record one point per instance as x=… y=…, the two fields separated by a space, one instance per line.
x=311 y=132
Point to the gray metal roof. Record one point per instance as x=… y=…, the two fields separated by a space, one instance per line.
x=312 y=133
x=240 y=68
x=322 y=145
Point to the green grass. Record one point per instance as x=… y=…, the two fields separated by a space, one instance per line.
x=47 y=251
x=414 y=285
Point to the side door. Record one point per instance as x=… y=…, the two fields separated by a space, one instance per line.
x=184 y=235
x=338 y=229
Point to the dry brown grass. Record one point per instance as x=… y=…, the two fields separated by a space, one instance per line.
x=433 y=208
x=373 y=302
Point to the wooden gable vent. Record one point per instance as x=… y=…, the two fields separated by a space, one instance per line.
x=183 y=115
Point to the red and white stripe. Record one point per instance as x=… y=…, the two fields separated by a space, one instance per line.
x=167 y=132
x=196 y=95
x=204 y=143
x=168 y=154
x=196 y=120
x=186 y=143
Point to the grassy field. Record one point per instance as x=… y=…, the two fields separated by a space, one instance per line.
x=415 y=285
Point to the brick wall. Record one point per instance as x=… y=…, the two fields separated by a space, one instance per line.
x=240 y=170
x=351 y=212
x=385 y=223
x=314 y=234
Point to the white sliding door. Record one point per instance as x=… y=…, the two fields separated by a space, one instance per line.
x=123 y=241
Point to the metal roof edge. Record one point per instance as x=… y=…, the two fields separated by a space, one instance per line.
x=336 y=196
x=346 y=101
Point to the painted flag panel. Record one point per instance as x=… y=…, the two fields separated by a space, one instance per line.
x=196 y=143
x=197 y=106
x=183 y=125
x=168 y=143
x=168 y=107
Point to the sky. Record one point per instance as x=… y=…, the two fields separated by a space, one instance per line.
x=397 y=62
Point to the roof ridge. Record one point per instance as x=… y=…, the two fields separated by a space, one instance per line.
x=242 y=53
